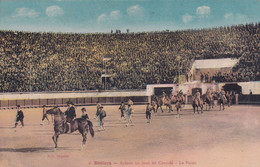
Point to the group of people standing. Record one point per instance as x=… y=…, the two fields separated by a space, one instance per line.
x=126 y=112
x=70 y=114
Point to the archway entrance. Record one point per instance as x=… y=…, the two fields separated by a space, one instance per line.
x=234 y=87
x=159 y=91
x=195 y=89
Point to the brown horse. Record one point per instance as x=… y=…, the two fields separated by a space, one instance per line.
x=160 y=102
x=196 y=103
x=60 y=126
x=209 y=101
x=229 y=96
x=178 y=101
x=221 y=100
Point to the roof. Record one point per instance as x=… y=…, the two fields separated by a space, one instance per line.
x=215 y=63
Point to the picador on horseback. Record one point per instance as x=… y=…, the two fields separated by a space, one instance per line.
x=222 y=99
x=197 y=97
x=180 y=97
x=197 y=102
x=83 y=125
x=70 y=114
x=208 y=99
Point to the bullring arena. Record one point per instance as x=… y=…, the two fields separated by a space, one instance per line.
x=52 y=68
x=214 y=138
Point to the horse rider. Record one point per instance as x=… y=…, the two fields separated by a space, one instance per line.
x=209 y=94
x=70 y=113
x=223 y=95
x=197 y=96
x=84 y=115
x=154 y=105
x=181 y=96
x=19 y=116
x=208 y=91
x=163 y=94
x=168 y=102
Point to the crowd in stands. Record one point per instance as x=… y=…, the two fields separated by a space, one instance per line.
x=70 y=61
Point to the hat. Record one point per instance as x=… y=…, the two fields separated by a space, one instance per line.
x=69 y=102
x=83 y=109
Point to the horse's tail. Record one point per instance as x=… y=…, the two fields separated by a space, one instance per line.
x=91 y=130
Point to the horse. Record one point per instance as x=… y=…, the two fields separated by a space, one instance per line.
x=229 y=97
x=208 y=100
x=154 y=105
x=221 y=101
x=196 y=103
x=177 y=100
x=168 y=103
x=60 y=126
x=160 y=101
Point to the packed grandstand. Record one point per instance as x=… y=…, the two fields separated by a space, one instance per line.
x=69 y=61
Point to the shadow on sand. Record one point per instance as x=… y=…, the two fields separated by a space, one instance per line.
x=35 y=149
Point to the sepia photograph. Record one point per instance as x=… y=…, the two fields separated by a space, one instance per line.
x=129 y=83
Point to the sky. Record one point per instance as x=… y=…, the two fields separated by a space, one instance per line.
x=91 y=16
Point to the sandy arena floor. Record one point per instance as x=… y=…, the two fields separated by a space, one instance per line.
x=229 y=138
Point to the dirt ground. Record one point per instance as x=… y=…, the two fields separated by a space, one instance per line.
x=228 y=138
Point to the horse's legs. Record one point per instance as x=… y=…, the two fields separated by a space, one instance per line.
x=84 y=135
x=154 y=109
x=161 y=108
x=178 y=113
x=157 y=107
x=170 y=108
x=55 y=139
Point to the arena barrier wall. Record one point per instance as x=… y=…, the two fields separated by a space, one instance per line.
x=37 y=99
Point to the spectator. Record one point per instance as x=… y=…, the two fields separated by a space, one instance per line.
x=137 y=59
